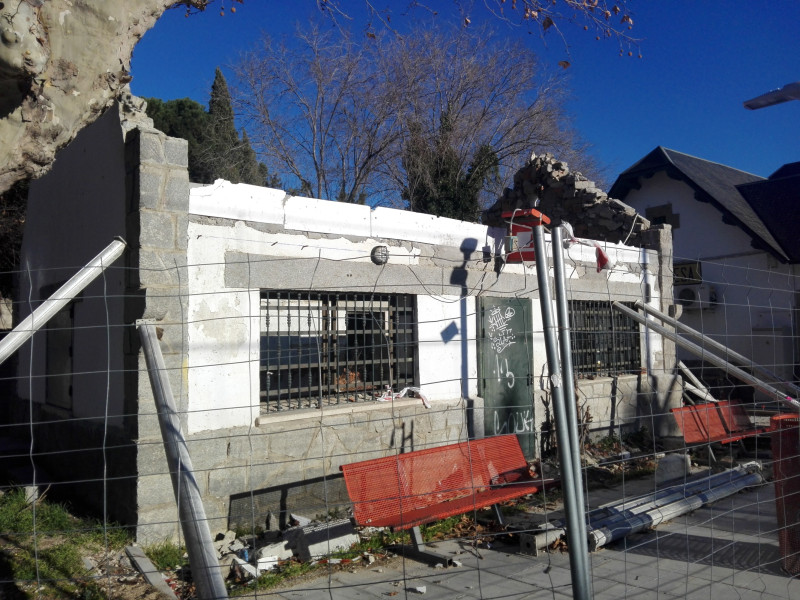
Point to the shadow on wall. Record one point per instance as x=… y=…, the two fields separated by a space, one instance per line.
x=317 y=496
x=459 y=277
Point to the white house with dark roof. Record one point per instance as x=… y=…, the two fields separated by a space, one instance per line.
x=736 y=250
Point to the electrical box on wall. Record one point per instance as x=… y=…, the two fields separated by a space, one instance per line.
x=519 y=241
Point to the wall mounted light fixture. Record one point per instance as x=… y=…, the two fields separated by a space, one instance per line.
x=380 y=255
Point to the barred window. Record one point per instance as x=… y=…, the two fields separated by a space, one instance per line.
x=332 y=348
x=604 y=341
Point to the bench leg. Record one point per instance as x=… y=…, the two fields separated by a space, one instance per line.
x=499 y=515
x=421 y=552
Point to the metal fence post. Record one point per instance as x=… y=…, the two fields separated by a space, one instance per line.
x=570 y=398
x=206 y=571
x=578 y=559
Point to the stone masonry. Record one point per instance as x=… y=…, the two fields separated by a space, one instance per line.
x=157 y=204
x=546 y=183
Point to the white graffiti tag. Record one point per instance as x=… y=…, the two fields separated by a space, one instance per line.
x=515 y=422
x=500 y=332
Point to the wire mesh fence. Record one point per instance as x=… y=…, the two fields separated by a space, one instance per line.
x=691 y=482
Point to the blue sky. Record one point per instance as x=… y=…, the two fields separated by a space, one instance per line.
x=700 y=60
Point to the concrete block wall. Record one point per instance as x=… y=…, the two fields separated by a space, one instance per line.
x=290 y=464
x=157 y=205
x=245 y=464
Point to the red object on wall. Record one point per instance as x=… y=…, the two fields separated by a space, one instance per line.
x=786 y=468
x=522 y=221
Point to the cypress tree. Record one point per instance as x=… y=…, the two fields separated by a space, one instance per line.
x=223 y=140
x=215 y=149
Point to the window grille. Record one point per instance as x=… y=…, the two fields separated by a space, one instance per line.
x=604 y=341
x=332 y=348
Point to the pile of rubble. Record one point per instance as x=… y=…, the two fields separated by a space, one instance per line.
x=547 y=184
x=307 y=540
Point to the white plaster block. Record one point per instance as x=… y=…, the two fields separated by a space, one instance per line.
x=323 y=216
x=391 y=223
x=239 y=201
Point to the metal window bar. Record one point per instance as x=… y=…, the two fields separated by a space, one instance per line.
x=331 y=348
x=604 y=342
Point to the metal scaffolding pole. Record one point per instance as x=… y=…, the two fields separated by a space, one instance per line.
x=206 y=571
x=605 y=533
x=60 y=298
x=565 y=346
x=573 y=505
x=712 y=358
x=731 y=354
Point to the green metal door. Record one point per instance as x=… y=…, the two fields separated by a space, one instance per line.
x=505 y=359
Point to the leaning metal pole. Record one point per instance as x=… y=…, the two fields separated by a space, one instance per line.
x=60 y=298
x=712 y=358
x=731 y=354
x=206 y=571
x=565 y=346
x=578 y=560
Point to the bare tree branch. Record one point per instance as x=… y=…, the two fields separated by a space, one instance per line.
x=338 y=117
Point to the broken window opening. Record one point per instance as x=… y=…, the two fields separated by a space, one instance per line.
x=605 y=342
x=324 y=349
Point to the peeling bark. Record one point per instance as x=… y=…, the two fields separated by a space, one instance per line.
x=62 y=63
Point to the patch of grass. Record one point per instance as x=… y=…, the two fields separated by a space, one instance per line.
x=610 y=443
x=43 y=544
x=244 y=531
x=112 y=536
x=166 y=555
x=17 y=515
x=271 y=579
x=545 y=499
x=440 y=529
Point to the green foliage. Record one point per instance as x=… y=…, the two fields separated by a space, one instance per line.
x=187 y=119
x=223 y=140
x=270 y=579
x=17 y=515
x=215 y=149
x=166 y=555
x=51 y=558
x=609 y=443
x=438 y=181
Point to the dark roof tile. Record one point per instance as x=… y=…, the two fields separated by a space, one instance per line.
x=712 y=182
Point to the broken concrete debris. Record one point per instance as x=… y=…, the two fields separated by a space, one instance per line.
x=306 y=539
x=547 y=184
x=317 y=540
x=420 y=589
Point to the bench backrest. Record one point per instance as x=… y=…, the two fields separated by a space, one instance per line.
x=383 y=487
x=714 y=421
x=733 y=416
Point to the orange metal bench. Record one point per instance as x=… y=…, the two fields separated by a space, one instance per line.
x=722 y=422
x=410 y=489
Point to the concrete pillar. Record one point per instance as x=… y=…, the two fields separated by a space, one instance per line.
x=157 y=192
x=662 y=392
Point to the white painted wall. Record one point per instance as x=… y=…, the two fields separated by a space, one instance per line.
x=442 y=370
x=755 y=293
x=223 y=329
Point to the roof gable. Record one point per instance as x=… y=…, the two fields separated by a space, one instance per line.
x=712 y=182
x=777 y=203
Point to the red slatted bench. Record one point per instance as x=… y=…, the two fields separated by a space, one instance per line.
x=407 y=490
x=722 y=422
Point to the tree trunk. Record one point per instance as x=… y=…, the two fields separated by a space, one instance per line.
x=62 y=63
